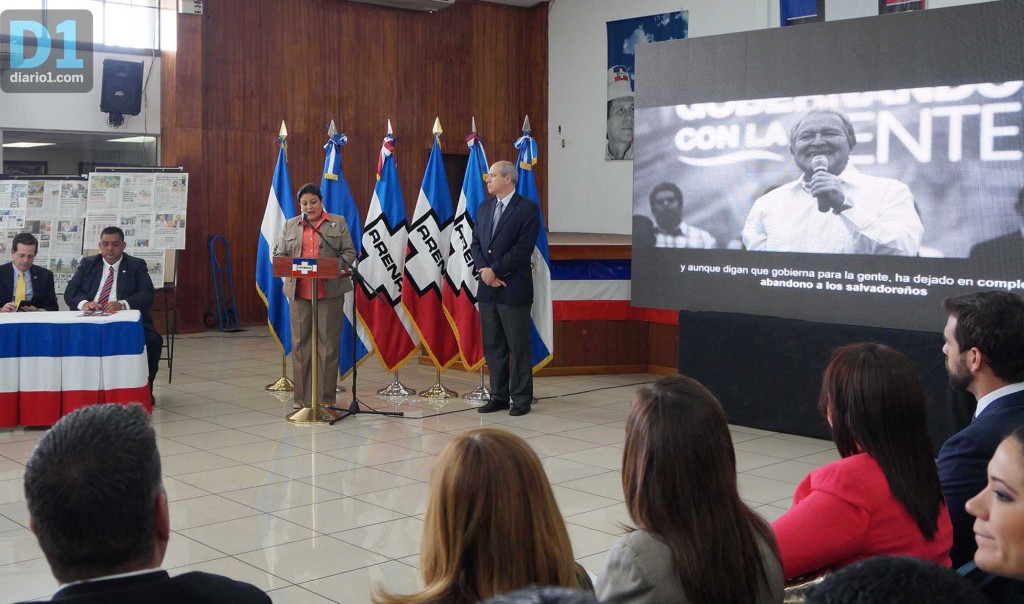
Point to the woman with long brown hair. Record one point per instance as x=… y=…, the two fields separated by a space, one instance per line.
x=883 y=497
x=695 y=541
x=492 y=524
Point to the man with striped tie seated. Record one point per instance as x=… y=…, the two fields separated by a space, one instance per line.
x=111 y=281
x=22 y=284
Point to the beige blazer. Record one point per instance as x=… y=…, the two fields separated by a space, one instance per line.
x=335 y=231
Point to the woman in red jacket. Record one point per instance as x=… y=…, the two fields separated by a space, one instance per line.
x=883 y=497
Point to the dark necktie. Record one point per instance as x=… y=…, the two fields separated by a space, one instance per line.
x=497 y=217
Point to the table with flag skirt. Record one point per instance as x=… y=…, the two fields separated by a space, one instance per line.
x=52 y=363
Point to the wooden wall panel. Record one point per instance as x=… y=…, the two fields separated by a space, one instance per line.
x=245 y=65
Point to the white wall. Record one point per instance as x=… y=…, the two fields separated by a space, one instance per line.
x=80 y=111
x=587 y=194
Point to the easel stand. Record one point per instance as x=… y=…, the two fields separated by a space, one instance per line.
x=353 y=407
x=314 y=269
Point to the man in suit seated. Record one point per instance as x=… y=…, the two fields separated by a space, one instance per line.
x=984 y=350
x=111 y=281
x=22 y=281
x=97 y=506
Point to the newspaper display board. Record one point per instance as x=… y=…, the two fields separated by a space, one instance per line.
x=68 y=216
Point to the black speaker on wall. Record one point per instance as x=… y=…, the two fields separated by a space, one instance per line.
x=122 y=89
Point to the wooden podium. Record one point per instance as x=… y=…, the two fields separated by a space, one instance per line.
x=315 y=269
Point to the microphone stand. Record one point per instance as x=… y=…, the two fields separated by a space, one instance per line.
x=357 y=279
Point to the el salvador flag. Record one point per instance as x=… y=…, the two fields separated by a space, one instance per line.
x=542 y=335
x=280 y=207
x=338 y=201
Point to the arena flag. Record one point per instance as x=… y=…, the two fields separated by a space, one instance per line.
x=280 y=207
x=338 y=201
x=542 y=339
x=381 y=262
x=426 y=258
x=460 y=281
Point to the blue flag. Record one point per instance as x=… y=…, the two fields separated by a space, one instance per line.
x=280 y=207
x=542 y=341
x=338 y=202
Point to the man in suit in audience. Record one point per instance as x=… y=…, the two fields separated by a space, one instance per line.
x=507 y=227
x=112 y=281
x=97 y=505
x=984 y=350
x=1007 y=250
x=23 y=281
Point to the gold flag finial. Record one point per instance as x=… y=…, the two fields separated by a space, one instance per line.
x=390 y=131
x=284 y=131
x=526 y=124
x=437 y=127
x=474 y=124
x=331 y=130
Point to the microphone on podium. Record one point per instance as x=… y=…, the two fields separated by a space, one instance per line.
x=819 y=163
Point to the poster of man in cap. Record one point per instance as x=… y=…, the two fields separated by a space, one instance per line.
x=623 y=38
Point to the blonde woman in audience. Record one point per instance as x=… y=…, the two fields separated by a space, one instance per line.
x=695 y=541
x=999 y=522
x=883 y=497
x=492 y=525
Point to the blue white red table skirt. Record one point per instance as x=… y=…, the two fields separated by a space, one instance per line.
x=599 y=290
x=52 y=363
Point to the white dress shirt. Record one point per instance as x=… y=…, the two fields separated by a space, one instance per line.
x=881 y=219
x=113 y=290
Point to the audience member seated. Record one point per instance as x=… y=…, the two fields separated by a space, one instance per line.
x=492 y=525
x=694 y=540
x=984 y=348
x=883 y=497
x=895 y=580
x=97 y=505
x=999 y=524
x=544 y=595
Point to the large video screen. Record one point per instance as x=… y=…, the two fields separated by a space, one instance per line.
x=855 y=172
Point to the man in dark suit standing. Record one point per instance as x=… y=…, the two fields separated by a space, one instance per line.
x=505 y=236
x=97 y=505
x=1006 y=251
x=111 y=281
x=984 y=356
x=22 y=281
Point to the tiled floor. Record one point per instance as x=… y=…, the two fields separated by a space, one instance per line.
x=325 y=513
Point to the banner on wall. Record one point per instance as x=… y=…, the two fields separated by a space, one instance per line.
x=795 y=12
x=623 y=38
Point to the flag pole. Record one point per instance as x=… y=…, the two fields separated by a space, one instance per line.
x=480 y=394
x=283 y=384
x=396 y=389
x=331 y=131
x=438 y=390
